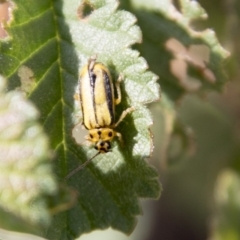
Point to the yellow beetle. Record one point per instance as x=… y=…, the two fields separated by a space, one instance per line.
x=98 y=100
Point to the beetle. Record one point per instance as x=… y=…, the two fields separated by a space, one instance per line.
x=98 y=100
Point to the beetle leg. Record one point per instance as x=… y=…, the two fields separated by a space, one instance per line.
x=117 y=85
x=119 y=135
x=124 y=114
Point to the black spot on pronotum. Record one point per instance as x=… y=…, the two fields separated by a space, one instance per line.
x=99 y=133
x=110 y=134
x=91 y=136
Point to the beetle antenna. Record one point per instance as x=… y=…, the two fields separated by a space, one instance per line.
x=80 y=167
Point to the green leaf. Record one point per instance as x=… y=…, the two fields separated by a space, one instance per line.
x=52 y=44
x=174 y=140
x=226 y=218
x=25 y=172
x=187 y=60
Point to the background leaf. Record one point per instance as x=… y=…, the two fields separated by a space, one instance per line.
x=187 y=60
x=25 y=172
x=226 y=219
